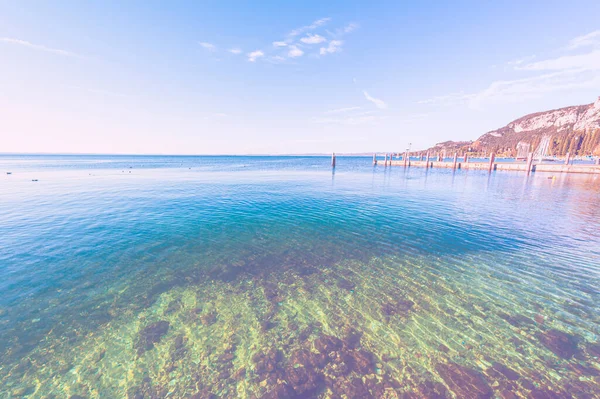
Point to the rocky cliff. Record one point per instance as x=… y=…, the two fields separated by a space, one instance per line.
x=573 y=129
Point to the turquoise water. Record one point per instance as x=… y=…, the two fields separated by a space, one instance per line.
x=253 y=277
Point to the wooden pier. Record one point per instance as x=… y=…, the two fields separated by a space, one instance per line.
x=491 y=164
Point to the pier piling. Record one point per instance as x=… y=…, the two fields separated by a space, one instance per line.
x=374 y=159
x=529 y=162
x=427 y=160
x=454 y=162
x=568 y=159
x=492 y=158
x=333 y=160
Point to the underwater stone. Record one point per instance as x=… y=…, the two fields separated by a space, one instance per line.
x=302 y=379
x=560 y=343
x=401 y=307
x=345 y=284
x=443 y=348
x=362 y=361
x=505 y=371
x=352 y=389
x=516 y=320
x=594 y=349
x=226 y=358
x=352 y=338
x=307 y=358
x=464 y=382
x=174 y=306
x=151 y=335
x=208 y=319
x=327 y=343
x=544 y=394
x=280 y=391
x=266 y=362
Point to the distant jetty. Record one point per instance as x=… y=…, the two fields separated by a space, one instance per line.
x=490 y=164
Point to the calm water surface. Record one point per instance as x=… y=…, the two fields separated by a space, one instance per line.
x=276 y=277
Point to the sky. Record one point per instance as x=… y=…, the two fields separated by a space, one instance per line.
x=273 y=77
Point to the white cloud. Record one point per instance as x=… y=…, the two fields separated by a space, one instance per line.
x=208 y=46
x=350 y=27
x=235 y=51
x=314 y=25
x=342 y=110
x=279 y=44
x=520 y=61
x=563 y=73
x=351 y=120
x=535 y=87
x=295 y=52
x=253 y=56
x=334 y=47
x=589 y=61
x=312 y=39
x=37 y=47
x=448 y=99
x=378 y=103
x=591 y=39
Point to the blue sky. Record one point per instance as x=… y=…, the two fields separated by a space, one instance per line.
x=281 y=77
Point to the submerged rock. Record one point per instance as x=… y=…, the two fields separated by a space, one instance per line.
x=505 y=371
x=464 y=382
x=327 y=343
x=345 y=284
x=516 y=320
x=402 y=307
x=560 y=343
x=208 y=318
x=362 y=361
x=151 y=335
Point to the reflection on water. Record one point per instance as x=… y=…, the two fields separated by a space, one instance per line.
x=187 y=277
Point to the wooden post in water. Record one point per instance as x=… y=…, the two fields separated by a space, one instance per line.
x=385 y=160
x=568 y=159
x=427 y=160
x=374 y=159
x=405 y=158
x=529 y=162
x=492 y=158
x=333 y=160
x=454 y=163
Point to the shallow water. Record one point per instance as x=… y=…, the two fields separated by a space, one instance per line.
x=277 y=277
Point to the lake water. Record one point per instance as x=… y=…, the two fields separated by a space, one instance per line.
x=278 y=277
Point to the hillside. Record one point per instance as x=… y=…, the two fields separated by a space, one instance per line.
x=574 y=129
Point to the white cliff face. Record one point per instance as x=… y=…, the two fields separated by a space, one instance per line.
x=558 y=119
x=590 y=119
x=577 y=118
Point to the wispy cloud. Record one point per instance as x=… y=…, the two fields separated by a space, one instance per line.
x=378 y=103
x=334 y=47
x=520 y=61
x=314 y=25
x=590 y=39
x=235 y=51
x=208 y=46
x=295 y=52
x=349 y=120
x=253 y=56
x=313 y=39
x=588 y=61
x=279 y=44
x=38 y=47
x=565 y=72
x=342 y=110
x=448 y=99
